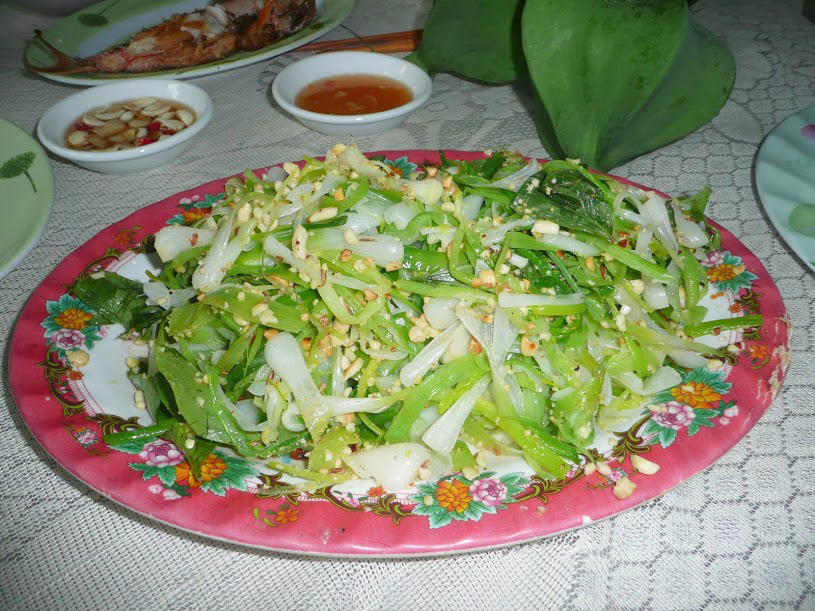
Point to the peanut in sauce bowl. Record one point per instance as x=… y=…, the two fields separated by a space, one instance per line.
x=58 y=119
x=294 y=78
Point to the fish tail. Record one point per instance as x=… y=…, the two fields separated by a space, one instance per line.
x=65 y=63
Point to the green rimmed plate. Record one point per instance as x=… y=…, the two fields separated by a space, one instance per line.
x=26 y=193
x=113 y=22
x=785 y=178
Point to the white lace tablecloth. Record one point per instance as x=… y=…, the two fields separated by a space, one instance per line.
x=740 y=535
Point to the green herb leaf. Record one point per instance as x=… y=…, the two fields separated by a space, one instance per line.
x=567 y=195
x=117 y=299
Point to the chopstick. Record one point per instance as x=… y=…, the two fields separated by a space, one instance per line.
x=394 y=42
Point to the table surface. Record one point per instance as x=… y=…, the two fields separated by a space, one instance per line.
x=740 y=535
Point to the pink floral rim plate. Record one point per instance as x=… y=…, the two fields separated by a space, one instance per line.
x=68 y=409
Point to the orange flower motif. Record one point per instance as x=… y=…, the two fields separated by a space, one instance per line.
x=695 y=394
x=284 y=516
x=376 y=491
x=73 y=318
x=194 y=214
x=212 y=468
x=724 y=272
x=74 y=374
x=453 y=495
x=125 y=237
x=758 y=352
x=735 y=308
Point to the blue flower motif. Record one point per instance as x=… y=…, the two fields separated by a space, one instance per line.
x=402 y=165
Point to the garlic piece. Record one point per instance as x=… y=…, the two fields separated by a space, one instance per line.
x=186 y=116
x=77 y=138
x=643 y=465
x=624 y=488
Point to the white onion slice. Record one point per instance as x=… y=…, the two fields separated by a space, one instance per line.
x=516 y=300
x=654 y=294
x=439 y=235
x=459 y=346
x=337 y=378
x=172 y=240
x=643 y=245
x=514 y=181
x=338 y=406
x=442 y=434
x=353 y=159
x=631 y=381
x=352 y=283
x=402 y=213
x=440 y=313
x=656 y=213
x=246 y=413
x=283 y=355
x=685 y=358
x=606 y=392
x=393 y=466
x=471 y=206
x=497 y=234
x=219 y=258
x=664 y=377
x=427 y=191
x=274 y=248
x=383 y=249
x=630 y=215
x=429 y=356
x=426 y=417
x=359 y=222
x=258 y=386
x=688 y=232
x=158 y=294
x=566 y=242
x=384 y=354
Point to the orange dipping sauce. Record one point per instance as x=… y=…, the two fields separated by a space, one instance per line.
x=353 y=94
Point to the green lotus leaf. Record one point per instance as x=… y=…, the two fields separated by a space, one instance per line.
x=478 y=39
x=612 y=79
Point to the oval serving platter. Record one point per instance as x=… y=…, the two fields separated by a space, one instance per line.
x=785 y=178
x=112 y=22
x=69 y=408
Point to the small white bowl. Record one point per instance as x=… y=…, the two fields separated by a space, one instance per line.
x=56 y=121
x=295 y=77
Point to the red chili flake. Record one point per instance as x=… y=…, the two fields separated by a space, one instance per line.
x=154 y=126
x=337 y=470
x=82 y=127
x=623 y=242
x=603 y=271
x=143 y=141
x=354 y=447
x=297 y=454
x=167 y=131
x=194 y=239
x=717 y=331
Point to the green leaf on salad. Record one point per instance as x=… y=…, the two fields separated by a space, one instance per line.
x=118 y=300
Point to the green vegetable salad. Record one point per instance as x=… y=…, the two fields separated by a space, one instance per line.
x=341 y=321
